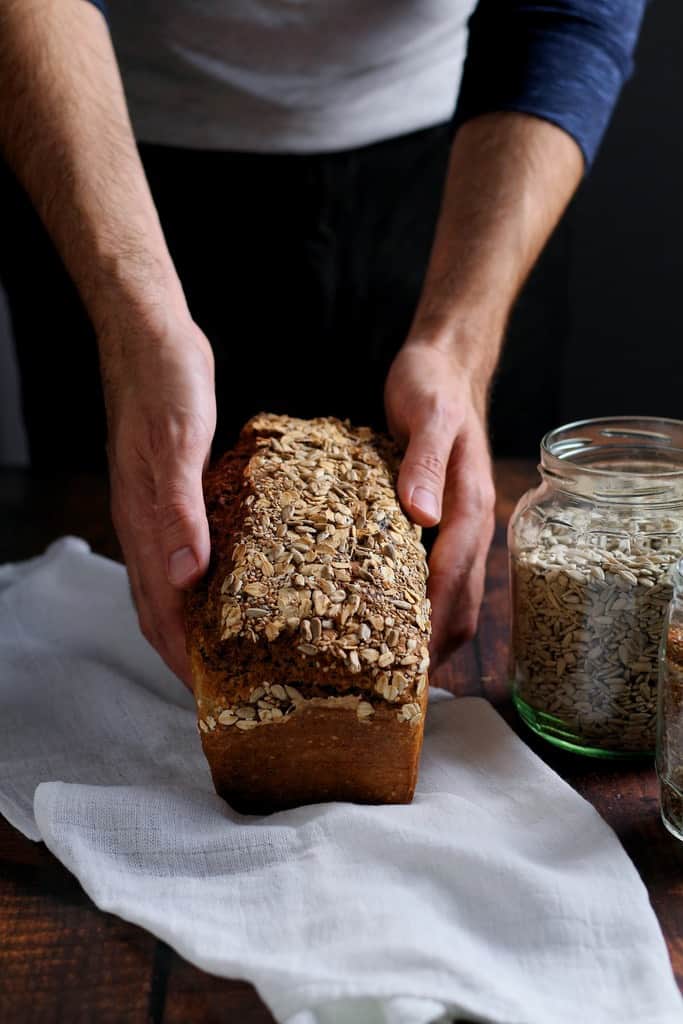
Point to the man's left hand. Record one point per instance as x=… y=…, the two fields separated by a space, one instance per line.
x=436 y=410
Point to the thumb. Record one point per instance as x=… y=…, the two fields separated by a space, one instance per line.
x=182 y=525
x=422 y=475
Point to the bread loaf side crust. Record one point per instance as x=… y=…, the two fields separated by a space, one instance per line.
x=324 y=748
x=308 y=636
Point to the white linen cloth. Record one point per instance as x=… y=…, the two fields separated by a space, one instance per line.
x=499 y=895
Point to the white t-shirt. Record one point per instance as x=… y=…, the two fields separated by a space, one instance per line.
x=288 y=75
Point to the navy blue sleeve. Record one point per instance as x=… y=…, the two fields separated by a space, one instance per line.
x=564 y=61
x=101 y=4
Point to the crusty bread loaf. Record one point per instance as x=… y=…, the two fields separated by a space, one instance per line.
x=308 y=636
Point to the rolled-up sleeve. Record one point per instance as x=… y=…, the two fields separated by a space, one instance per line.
x=564 y=61
x=101 y=5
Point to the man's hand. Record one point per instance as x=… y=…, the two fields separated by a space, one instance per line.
x=65 y=130
x=434 y=409
x=509 y=179
x=161 y=411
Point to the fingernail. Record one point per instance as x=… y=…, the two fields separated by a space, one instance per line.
x=181 y=566
x=424 y=501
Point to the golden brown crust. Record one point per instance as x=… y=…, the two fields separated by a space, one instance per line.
x=316 y=591
x=322 y=749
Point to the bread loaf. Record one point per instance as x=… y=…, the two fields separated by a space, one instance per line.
x=309 y=635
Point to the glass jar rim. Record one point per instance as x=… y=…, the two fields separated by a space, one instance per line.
x=617 y=458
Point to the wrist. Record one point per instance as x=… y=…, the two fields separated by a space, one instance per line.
x=141 y=303
x=470 y=345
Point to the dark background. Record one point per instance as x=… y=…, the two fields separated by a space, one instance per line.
x=596 y=331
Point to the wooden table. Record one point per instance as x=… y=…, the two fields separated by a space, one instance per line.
x=62 y=960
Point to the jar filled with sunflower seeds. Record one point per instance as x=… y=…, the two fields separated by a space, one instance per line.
x=590 y=551
x=670 y=716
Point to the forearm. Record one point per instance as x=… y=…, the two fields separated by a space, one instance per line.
x=64 y=129
x=509 y=180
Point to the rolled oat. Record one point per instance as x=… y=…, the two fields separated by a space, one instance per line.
x=587 y=625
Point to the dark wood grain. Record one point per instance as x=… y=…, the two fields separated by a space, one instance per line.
x=62 y=960
x=192 y=995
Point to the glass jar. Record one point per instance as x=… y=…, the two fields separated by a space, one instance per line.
x=670 y=712
x=590 y=553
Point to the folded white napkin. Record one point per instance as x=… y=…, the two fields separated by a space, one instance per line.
x=499 y=895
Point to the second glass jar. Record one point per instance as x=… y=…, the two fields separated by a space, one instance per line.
x=670 y=718
x=590 y=554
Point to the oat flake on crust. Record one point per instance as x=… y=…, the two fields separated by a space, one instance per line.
x=325 y=553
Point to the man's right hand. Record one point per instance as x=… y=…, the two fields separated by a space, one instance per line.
x=161 y=412
x=65 y=131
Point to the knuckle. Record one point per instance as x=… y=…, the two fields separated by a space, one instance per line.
x=194 y=434
x=438 y=411
x=177 y=438
x=175 y=514
x=428 y=464
x=192 y=437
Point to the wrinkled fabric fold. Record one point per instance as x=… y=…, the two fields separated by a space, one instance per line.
x=499 y=895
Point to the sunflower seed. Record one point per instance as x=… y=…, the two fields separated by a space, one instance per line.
x=307 y=649
x=586 y=629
